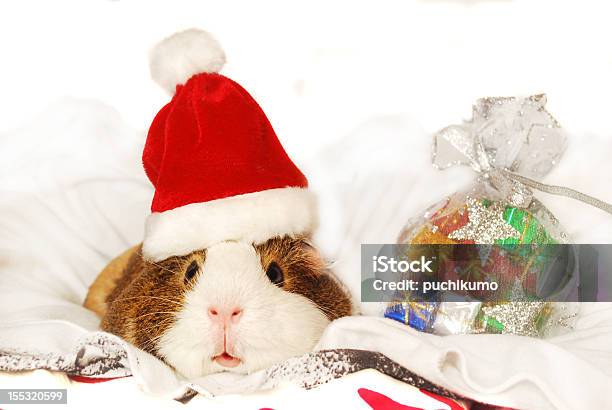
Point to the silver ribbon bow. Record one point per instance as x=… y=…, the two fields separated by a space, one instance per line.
x=509 y=141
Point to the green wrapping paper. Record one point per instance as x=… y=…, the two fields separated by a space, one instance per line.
x=531 y=230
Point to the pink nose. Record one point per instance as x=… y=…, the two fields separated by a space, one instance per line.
x=225 y=316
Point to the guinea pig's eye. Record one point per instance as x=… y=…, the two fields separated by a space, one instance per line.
x=275 y=274
x=191 y=270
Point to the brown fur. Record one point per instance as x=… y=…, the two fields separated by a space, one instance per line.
x=140 y=304
x=306 y=273
x=106 y=281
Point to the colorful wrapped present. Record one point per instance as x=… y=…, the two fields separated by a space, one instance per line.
x=509 y=142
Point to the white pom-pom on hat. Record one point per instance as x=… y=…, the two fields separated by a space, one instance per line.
x=182 y=55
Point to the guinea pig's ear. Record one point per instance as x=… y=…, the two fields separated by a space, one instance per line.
x=329 y=293
x=306 y=242
x=323 y=287
x=312 y=255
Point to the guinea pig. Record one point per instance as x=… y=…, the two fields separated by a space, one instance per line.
x=233 y=307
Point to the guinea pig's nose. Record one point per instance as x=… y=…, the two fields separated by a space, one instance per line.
x=225 y=315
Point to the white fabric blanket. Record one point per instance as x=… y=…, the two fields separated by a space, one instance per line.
x=73 y=195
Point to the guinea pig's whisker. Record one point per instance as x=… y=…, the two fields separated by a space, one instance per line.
x=149 y=297
x=154 y=313
x=325 y=309
x=271 y=344
x=160 y=266
x=166 y=319
x=156 y=325
x=151 y=342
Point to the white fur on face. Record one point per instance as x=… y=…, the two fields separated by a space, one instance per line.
x=274 y=324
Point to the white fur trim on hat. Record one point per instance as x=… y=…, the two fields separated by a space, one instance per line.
x=182 y=55
x=251 y=218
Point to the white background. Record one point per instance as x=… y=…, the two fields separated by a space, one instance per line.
x=319 y=68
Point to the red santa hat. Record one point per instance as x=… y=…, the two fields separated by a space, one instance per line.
x=218 y=169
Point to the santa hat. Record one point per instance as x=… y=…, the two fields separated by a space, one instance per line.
x=218 y=169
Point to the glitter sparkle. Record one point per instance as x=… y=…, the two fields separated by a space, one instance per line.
x=485 y=224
